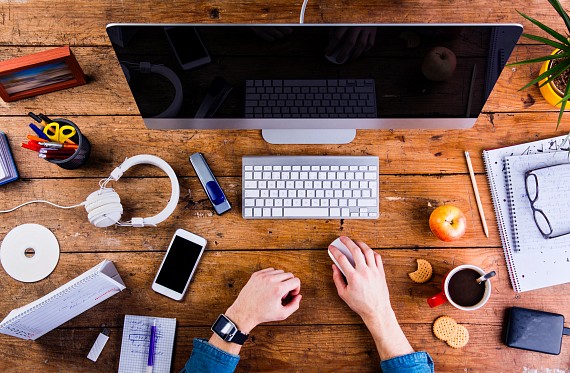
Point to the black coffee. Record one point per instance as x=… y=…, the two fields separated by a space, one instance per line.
x=464 y=289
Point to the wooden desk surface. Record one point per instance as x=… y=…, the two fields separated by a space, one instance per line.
x=419 y=170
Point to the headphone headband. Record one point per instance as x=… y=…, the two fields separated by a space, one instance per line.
x=104 y=206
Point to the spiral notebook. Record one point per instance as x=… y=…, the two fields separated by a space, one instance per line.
x=64 y=303
x=529 y=265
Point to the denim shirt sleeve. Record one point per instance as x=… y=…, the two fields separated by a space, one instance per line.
x=207 y=358
x=417 y=362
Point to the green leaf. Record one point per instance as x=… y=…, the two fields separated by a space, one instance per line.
x=555 y=71
x=552 y=43
x=550 y=31
x=564 y=102
x=554 y=76
x=541 y=59
x=556 y=5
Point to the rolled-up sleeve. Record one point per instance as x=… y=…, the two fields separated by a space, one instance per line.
x=206 y=358
x=417 y=362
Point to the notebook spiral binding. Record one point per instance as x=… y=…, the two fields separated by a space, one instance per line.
x=512 y=208
x=501 y=225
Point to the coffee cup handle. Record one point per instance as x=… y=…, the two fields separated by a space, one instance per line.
x=437 y=300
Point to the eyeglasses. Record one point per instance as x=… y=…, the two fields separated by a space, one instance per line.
x=542 y=222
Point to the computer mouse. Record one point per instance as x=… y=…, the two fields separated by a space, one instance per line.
x=343 y=249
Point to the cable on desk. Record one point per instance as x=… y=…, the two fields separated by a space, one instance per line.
x=303 y=8
x=41 y=201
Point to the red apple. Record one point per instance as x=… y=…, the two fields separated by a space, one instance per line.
x=447 y=223
x=439 y=64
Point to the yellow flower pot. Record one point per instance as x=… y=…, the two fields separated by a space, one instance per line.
x=550 y=93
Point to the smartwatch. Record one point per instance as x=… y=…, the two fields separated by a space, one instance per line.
x=228 y=331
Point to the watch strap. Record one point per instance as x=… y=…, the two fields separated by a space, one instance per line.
x=239 y=338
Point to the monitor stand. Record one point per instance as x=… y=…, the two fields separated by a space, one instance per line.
x=308 y=136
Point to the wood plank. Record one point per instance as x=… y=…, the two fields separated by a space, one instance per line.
x=221 y=275
x=331 y=348
x=107 y=92
x=400 y=151
x=83 y=23
x=406 y=203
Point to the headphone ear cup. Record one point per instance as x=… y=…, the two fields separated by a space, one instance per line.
x=103 y=208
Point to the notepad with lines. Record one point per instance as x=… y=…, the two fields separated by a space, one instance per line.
x=64 y=303
x=136 y=340
x=530 y=266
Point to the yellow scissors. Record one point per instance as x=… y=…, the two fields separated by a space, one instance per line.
x=58 y=133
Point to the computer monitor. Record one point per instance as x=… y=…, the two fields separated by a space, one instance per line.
x=197 y=76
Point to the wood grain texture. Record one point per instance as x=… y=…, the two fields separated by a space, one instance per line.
x=419 y=171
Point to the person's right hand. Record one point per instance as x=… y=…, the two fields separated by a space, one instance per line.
x=366 y=292
x=269 y=295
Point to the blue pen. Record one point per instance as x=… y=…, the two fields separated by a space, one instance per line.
x=39 y=132
x=151 y=347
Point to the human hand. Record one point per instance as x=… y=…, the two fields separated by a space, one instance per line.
x=269 y=295
x=350 y=42
x=366 y=292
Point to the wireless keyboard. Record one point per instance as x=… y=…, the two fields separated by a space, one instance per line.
x=310 y=187
x=330 y=98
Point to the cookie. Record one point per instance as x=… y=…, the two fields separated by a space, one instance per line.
x=460 y=338
x=423 y=273
x=445 y=328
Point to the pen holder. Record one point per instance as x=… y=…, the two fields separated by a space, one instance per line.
x=81 y=155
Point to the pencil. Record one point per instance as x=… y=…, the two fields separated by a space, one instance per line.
x=477 y=198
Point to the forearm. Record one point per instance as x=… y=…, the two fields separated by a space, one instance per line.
x=388 y=336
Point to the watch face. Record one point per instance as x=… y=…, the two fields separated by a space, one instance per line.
x=223 y=327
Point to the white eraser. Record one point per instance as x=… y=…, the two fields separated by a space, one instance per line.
x=100 y=342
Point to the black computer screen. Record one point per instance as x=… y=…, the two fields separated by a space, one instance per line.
x=431 y=71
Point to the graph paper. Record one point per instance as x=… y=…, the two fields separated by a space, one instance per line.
x=136 y=340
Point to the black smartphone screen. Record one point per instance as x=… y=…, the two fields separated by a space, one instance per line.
x=187 y=44
x=178 y=265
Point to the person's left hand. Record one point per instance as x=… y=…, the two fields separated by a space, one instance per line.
x=269 y=295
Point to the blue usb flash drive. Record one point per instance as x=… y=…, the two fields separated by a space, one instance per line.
x=210 y=184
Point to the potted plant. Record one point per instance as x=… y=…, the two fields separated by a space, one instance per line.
x=554 y=74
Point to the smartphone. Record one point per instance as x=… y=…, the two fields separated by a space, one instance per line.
x=187 y=46
x=179 y=264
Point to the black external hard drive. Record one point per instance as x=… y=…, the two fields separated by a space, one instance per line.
x=535 y=330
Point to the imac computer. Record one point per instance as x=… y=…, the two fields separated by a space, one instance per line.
x=312 y=84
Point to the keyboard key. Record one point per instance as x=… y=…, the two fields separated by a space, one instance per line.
x=249 y=202
x=251 y=193
x=248 y=212
x=370 y=175
x=257 y=212
x=334 y=212
x=367 y=202
x=277 y=211
x=306 y=212
x=250 y=184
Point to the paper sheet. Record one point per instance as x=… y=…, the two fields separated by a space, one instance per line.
x=136 y=340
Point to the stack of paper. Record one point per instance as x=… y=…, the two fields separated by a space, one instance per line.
x=8 y=170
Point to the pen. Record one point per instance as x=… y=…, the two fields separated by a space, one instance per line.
x=52 y=156
x=57 y=145
x=31 y=146
x=151 y=347
x=476 y=190
x=39 y=132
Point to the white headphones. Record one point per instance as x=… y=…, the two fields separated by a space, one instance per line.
x=104 y=205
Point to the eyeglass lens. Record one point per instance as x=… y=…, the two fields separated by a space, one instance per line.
x=542 y=223
x=532 y=187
